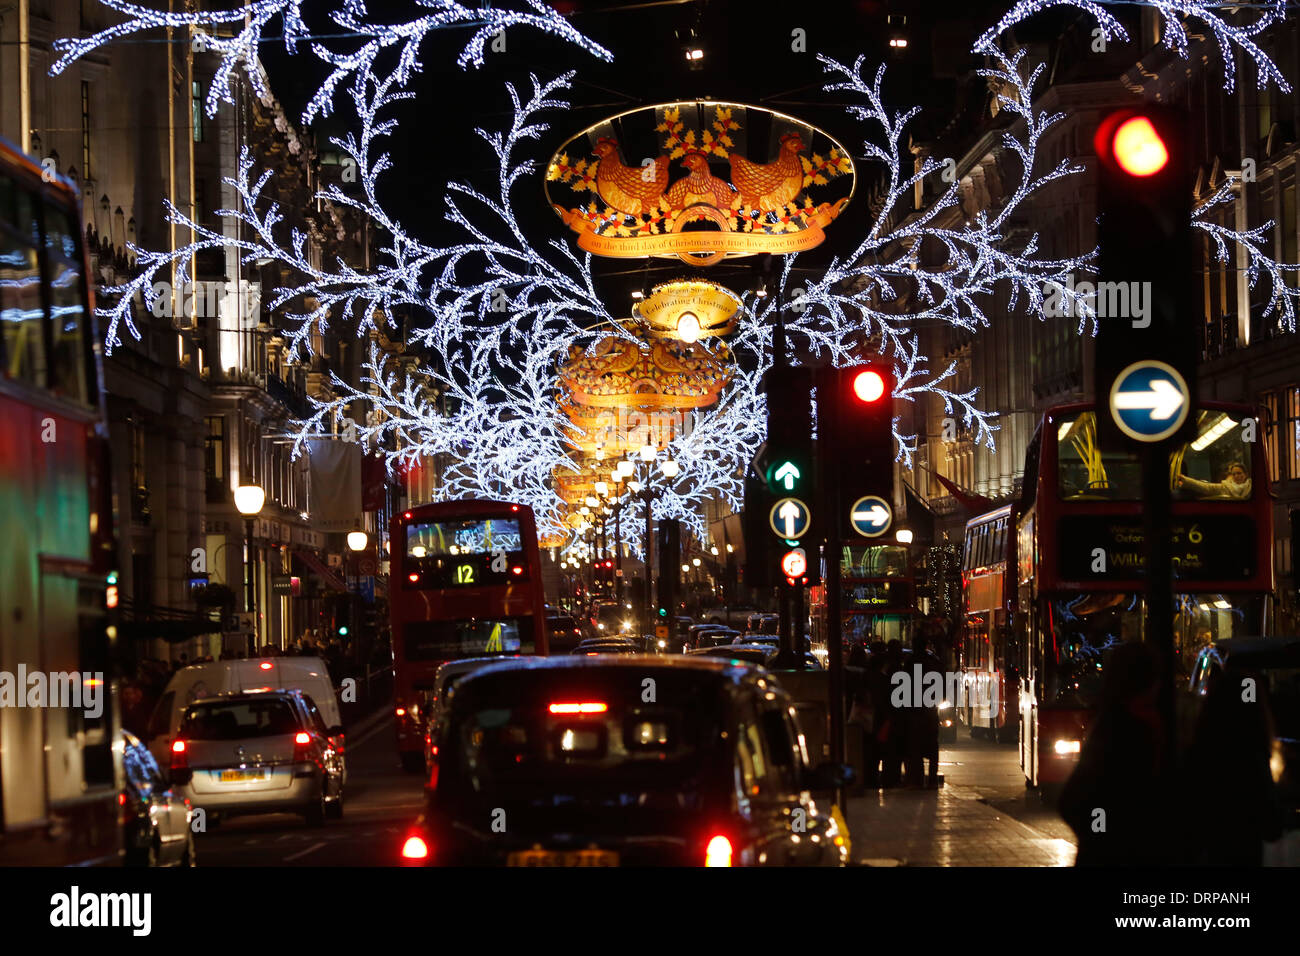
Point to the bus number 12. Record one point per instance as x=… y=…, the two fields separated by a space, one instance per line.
x=464 y=574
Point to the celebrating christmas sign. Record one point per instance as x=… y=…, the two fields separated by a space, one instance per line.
x=711 y=188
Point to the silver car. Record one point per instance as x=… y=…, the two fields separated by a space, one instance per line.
x=258 y=752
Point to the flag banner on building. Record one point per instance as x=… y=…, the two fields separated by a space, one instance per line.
x=334 y=492
x=374 y=474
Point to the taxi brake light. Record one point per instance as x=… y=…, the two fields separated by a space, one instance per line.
x=415 y=849
x=718 y=852
x=590 y=707
x=265 y=665
x=301 y=738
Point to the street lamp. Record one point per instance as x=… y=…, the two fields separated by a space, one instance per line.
x=904 y=536
x=249 y=500
x=670 y=468
x=357 y=540
x=648 y=452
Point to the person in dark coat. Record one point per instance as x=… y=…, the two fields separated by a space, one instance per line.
x=891 y=721
x=859 y=718
x=922 y=738
x=1118 y=801
x=1230 y=793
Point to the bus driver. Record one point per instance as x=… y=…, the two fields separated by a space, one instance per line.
x=1235 y=485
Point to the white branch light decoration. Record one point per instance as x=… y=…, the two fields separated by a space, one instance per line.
x=505 y=310
x=1230 y=37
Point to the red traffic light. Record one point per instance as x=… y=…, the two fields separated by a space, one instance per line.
x=1138 y=148
x=794 y=563
x=869 y=385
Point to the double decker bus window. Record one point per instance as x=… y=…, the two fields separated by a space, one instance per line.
x=465 y=553
x=68 y=355
x=22 y=316
x=1217 y=463
x=1088 y=471
x=448 y=639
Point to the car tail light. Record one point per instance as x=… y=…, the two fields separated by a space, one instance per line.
x=400 y=711
x=415 y=849
x=265 y=665
x=180 y=755
x=585 y=707
x=718 y=852
x=338 y=742
x=301 y=745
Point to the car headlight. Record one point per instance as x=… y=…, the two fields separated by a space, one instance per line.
x=600 y=627
x=1064 y=747
x=945 y=705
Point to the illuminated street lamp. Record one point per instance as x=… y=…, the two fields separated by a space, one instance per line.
x=249 y=500
x=357 y=540
x=670 y=468
x=648 y=452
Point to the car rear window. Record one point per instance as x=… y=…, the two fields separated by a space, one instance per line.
x=584 y=736
x=239 y=719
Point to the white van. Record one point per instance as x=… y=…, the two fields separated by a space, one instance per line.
x=197 y=681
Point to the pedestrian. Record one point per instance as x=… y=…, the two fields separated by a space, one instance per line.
x=922 y=722
x=859 y=721
x=1118 y=799
x=1231 y=797
x=891 y=716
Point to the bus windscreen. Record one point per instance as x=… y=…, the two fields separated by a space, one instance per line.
x=470 y=637
x=465 y=552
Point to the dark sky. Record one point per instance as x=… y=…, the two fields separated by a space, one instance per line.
x=748 y=59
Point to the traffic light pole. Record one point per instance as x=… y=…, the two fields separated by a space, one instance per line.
x=831 y=580
x=1158 y=534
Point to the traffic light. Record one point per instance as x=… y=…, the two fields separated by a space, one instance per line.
x=856 y=428
x=1146 y=345
x=779 y=489
x=788 y=453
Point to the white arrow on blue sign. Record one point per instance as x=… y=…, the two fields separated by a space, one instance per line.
x=871 y=516
x=1149 y=401
x=789 y=518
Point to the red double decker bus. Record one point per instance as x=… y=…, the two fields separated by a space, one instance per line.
x=60 y=771
x=987 y=656
x=467 y=582
x=1080 y=559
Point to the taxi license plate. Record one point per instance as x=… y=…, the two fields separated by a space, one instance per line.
x=239 y=776
x=563 y=858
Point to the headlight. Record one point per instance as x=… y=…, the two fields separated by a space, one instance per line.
x=627 y=625
x=663 y=644
x=945 y=705
x=1064 y=747
x=600 y=627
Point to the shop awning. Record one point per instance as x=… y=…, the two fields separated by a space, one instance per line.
x=155 y=622
x=321 y=569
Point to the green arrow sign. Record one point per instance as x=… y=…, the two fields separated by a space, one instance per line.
x=787 y=474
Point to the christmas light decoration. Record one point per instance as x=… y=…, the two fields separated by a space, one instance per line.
x=1255 y=242
x=1230 y=37
x=503 y=310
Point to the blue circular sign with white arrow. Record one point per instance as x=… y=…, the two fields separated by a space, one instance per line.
x=1150 y=401
x=871 y=516
x=789 y=518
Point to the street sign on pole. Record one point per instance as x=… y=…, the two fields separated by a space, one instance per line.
x=871 y=516
x=789 y=518
x=1150 y=400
